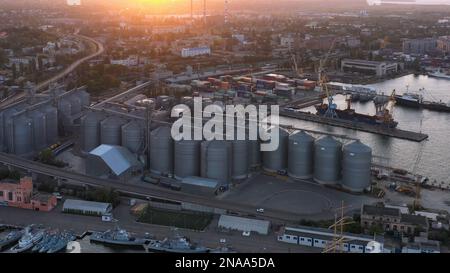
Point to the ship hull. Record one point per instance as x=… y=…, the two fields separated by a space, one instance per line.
x=408 y=103
x=356 y=117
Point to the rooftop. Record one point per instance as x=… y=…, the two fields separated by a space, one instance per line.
x=414 y=219
x=380 y=211
x=86 y=205
x=119 y=159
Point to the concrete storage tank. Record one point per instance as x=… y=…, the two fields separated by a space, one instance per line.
x=133 y=136
x=90 y=131
x=216 y=160
x=356 y=163
x=161 y=151
x=327 y=160
x=254 y=153
x=85 y=98
x=111 y=131
x=64 y=109
x=240 y=162
x=277 y=160
x=186 y=158
x=300 y=155
x=51 y=124
x=23 y=136
x=8 y=130
x=75 y=104
x=39 y=130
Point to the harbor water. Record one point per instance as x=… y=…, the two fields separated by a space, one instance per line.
x=399 y=153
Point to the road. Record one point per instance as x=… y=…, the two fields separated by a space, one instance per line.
x=147 y=190
x=19 y=95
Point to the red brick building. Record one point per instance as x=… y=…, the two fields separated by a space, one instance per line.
x=20 y=195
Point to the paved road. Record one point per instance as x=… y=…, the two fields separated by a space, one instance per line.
x=19 y=95
x=147 y=190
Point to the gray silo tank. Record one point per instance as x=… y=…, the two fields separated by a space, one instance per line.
x=161 y=151
x=186 y=158
x=356 y=163
x=75 y=104
x=111 y=131
x=216 y=160
x=85 y=98
x=133 y=136
x=8 y=130
x=327 y=160
x=23 y=135
x=51 y=124
x=240 y=162
x=90 y=131
x=39 y=130
x=277 y=160
x=301 y=155
x=64 y=109
x=254 y=153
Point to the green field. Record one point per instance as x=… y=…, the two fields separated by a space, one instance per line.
x=180 y=219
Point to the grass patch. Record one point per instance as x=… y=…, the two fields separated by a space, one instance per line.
x=180 y=219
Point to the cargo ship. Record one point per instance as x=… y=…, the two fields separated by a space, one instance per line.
x=382 y=118
x=416 y=101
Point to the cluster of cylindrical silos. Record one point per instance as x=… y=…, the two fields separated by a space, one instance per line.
x=30 y=126
x=325 y=160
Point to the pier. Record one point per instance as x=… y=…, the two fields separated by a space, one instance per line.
x=390 y=132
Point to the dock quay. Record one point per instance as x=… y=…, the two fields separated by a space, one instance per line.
x=390 y=132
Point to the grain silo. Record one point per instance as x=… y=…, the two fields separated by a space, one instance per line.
x=8 y=129
x=254 y=153
x=186 y=158
x=51 y=124
x=39 y=129
x=90 y=131
x=327 y=160
x=356 y=164
x=216 y=160
x=133 y=136
x=240 y=159
x=300 y=155
x=75 y=104
x=161 y=151
x=111 y=131
x=23 y=135
x=276 y=160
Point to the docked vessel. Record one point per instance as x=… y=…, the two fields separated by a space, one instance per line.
x=27 y=241
x=349 y=114
x=414 y=100
x=117 y=237
x=61 y=244
x=439 y=74
x=177 y=245
x=11 y=238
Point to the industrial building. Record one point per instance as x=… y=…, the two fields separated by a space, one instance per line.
x=419 y=46
x=321 y=238
x=86 y=207
x=195 y=51
x=369 y=67
x=391 y=219
x=199 y=186
x=244 y=224
x=111 y=161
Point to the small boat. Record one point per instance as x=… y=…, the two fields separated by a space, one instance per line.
x=28 y=240
x=11 y=238
x=439 y=74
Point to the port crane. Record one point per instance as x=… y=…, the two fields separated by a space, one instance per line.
x=322 y=82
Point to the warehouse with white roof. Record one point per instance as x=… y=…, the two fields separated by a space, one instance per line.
x=244 y=224
x=86 y=207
